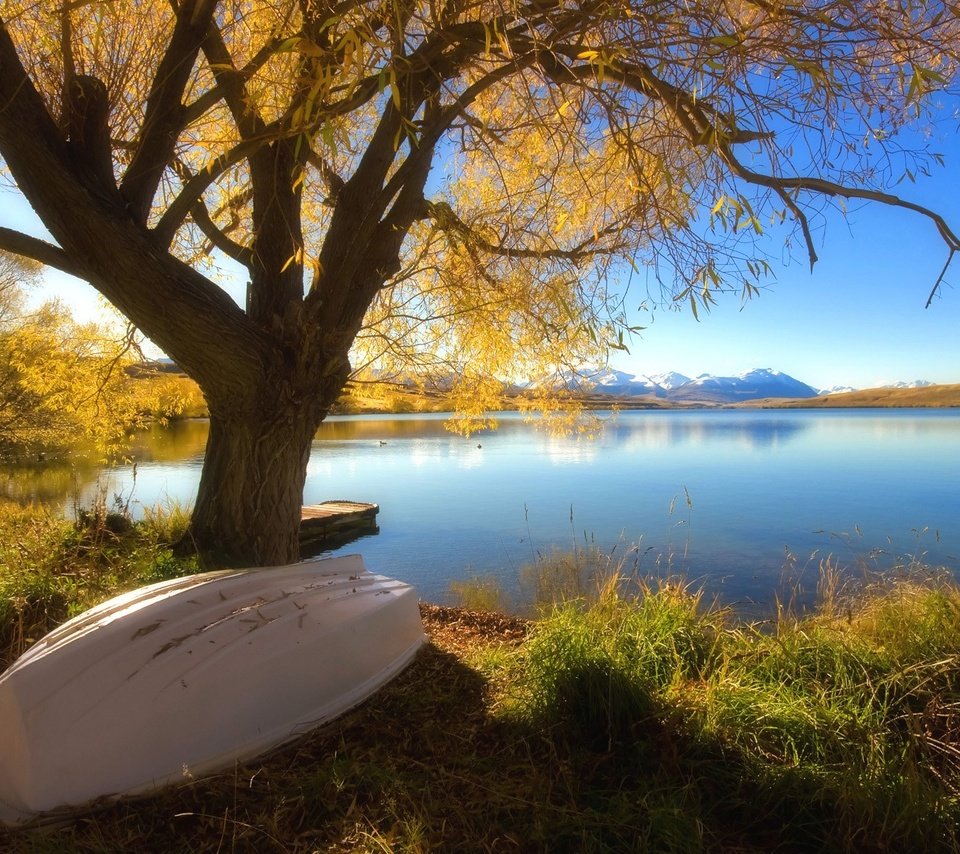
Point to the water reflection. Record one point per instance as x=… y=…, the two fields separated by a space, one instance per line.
x=678 y=429
x=179 y=440
x=726 y=496
x=377 y=428
x=50 y=483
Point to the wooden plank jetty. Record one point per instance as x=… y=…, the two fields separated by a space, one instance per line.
x=332 y=523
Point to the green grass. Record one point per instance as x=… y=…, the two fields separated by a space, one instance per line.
x=637 y=717
x=840 y=728
x=52 y=568
x=480 y=593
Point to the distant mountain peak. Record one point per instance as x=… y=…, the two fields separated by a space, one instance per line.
x=669 y=380
x=750 y=385
x=706 y=388
x=909 y=384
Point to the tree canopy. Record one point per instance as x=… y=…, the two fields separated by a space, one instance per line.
x=463 y=185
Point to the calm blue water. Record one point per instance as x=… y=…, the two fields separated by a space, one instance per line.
x=736 y=499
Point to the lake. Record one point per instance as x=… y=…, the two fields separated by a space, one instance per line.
x=746 y=502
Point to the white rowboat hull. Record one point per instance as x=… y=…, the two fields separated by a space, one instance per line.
x=189 y=676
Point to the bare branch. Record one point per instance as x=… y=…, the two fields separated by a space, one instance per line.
x=178 y=210
x=939 y=281
x=830 y=188
x=201 y=216
x=446 y=220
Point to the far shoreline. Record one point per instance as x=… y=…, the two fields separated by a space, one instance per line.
x=406 y=402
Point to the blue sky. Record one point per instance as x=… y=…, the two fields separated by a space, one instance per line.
x=858 y=319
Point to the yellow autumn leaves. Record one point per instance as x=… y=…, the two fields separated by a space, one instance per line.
x=65 y=384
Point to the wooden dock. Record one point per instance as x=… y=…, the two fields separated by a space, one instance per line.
x=333 y=523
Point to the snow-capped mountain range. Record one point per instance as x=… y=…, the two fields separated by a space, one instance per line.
x=706 y=387
x=758 y=383
x=913 y=384
x=670 y=385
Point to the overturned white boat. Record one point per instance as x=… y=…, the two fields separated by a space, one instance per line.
x=185 y=677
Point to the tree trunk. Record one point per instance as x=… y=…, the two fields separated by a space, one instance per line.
x=251 y=489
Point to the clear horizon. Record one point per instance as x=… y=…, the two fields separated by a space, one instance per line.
x=739 y=374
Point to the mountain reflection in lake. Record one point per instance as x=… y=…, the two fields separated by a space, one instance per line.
x=732 y=498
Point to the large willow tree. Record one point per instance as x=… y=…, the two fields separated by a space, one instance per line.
x=449 y=182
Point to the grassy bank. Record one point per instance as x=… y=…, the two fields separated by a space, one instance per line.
x=387 y=398
x=645 y=720
x=933 y=397
x=53 y=568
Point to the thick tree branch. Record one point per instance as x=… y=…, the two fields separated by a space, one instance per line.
x=87 y=109
x=384 y=259
x=216 y=236
x=362 y=200
x=232 y=83
x=164 y=116
x=276 y=258
x=196 y=322
x=276 y=271
x=22 y=108
x=434 y=129
x=18 y=243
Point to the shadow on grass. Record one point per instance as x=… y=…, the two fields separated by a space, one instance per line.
x=422 y=766
x=380 y=771
x=430 y=764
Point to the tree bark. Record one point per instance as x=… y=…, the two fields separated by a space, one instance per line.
x=251 y=489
